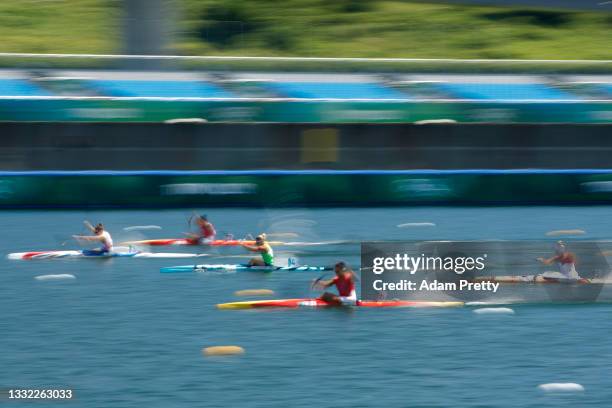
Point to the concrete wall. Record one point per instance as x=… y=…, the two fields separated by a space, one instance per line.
x=152 y=146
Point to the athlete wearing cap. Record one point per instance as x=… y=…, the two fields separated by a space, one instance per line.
x=100 y=235
x=345 y=284
x=264 y=249
x=566 y=261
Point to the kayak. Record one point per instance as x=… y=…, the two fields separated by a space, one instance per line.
x=223 y=242
x=119 y=253
x=539 y=279
x=82 y=254
x=243 y=267
x=296 y=303
x=189 y=241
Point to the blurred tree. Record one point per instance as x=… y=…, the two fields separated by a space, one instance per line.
x=545 y=18
x=357 y=6
x=279 y=38
x=223 y=23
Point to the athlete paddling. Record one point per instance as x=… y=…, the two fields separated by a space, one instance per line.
x=566 y=261
x=345 y=284
x=206 y=230
x=261 y=246
x=100 y=235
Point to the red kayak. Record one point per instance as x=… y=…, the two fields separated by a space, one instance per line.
x=189 y=241
x=226 y=242
x=295 y=303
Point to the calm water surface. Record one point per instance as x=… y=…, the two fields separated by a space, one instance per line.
x=123 y=335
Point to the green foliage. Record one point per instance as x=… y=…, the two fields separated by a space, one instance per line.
x=357 y=6
x=342 y=28
x=223 y=23
x=60 y=26
x=280 y=39
x=544 y=18
x=360 y=28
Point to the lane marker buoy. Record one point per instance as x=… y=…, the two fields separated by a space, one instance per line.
x=254 y=292
x=561 y=387
x=62 y=276
x=222 y=350
x=494 y=310
x=142 y=227
x=416 y=224
x=557 y=233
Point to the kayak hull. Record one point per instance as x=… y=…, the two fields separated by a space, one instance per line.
x=225 y=242
x=537 y=279
x=314 y=303
x=242 y=268
x=192 y=241
x=165 y=242
x=90 y=255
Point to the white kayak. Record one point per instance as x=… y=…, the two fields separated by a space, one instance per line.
x=243 y=267
x=118 y=252
x=540 y=279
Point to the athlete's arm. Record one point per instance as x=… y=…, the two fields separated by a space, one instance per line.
x=88 y=238
x=253 y=248
x=549 y=261
x=323 y=284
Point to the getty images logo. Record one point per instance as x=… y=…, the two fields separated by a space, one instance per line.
x=412 y=264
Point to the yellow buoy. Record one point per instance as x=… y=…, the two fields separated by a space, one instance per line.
x=254 y=292
x=222 y=350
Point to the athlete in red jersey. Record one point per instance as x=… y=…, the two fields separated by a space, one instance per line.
x=345 y=284
x=206 y=231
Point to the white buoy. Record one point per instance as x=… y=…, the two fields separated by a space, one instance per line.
x=435 y=121
x=494 y=310
x=184 y=120
x=62 y=276
x=416 y=224
x=142 y=227
x=558 y=233
x=476 y=303
x=561 y=387
x=222 y=350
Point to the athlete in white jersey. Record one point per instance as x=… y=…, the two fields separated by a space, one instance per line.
x=566 y=262
x=100 y=235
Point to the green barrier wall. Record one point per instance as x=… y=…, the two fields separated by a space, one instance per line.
x=121 y=110
x=284 y=189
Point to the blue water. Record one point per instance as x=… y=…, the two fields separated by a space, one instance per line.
x=124 y=335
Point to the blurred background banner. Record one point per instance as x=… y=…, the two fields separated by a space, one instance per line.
x=354 y=85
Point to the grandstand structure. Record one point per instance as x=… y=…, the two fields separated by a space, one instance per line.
x=327 y=132
x=307 y=86
x=68 y=94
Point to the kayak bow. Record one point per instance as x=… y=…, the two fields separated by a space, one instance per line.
x=297 y=303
